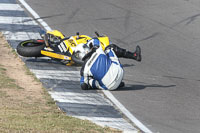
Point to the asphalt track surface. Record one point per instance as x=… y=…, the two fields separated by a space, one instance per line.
x=62 y=82
x=163 y=91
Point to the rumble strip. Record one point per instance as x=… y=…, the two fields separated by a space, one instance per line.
x=62 y=82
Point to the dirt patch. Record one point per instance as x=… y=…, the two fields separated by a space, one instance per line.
x=17 y=70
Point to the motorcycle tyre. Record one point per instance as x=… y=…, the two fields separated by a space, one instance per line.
x=34 y=50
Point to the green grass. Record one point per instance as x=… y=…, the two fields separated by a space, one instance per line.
x=6 y=81
x=36 y=115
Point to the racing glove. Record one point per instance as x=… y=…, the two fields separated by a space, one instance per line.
x=84 y=86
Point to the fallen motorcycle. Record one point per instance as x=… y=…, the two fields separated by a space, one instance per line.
x=54 y=44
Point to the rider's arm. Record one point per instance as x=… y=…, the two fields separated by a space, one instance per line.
x=84 y=84
x=85 y=79
x=95 y=84
x=87 y=83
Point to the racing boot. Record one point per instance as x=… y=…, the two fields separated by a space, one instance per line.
x=122 y=84
x=136 y=55
x=120 y=52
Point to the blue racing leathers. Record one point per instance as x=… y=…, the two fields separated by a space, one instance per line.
x=102 y=70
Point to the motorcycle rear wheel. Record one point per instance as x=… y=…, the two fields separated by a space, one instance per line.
x=31 y=48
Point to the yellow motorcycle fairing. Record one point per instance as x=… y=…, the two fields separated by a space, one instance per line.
x=58 y=56
x=55 y=55
x=70 y=44
x=104 y=41
x=73 y=41
x=56 y=33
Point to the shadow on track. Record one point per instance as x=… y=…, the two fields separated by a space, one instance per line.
x=127 y=65
x=141 y=87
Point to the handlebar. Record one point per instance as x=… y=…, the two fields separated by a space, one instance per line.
x=61 y=40
x=97 y=34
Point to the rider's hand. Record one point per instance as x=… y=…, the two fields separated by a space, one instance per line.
x=84 y=86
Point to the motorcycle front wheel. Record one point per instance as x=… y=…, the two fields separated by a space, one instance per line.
x=30 y=48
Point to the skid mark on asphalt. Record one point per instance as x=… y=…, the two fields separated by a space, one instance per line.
x=62 y=82
x=188 y=20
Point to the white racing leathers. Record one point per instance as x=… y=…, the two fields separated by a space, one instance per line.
x=103 y=70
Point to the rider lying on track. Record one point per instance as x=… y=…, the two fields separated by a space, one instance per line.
x=102 y=69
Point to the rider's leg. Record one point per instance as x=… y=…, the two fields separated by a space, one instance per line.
x=120 y=52
x=136 y=55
